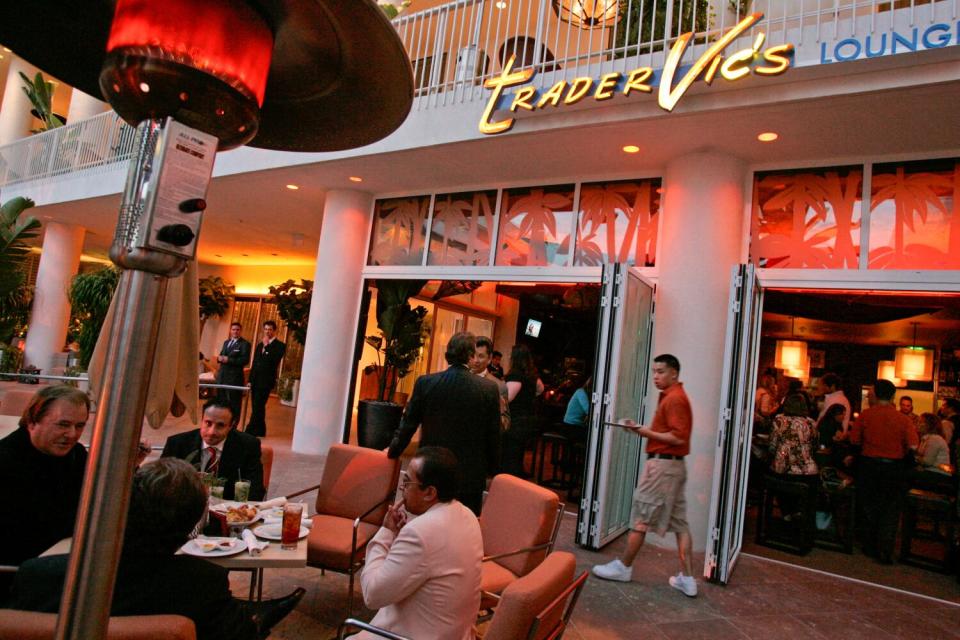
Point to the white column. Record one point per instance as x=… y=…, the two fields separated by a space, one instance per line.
x=15 y=118
x=328 y=354
x=83 y=106
x=700 y=240
x=50 y=313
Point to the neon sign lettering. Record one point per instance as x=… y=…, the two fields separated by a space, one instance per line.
x=764 y=62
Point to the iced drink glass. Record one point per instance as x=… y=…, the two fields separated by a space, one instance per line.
x=290 y=530
x=241 y=490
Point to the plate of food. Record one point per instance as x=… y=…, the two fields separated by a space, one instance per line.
x=205 y=547
x=273 y=531
x=241 y=515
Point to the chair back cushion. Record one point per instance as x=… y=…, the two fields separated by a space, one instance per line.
x=14 y=401
x=29 y=625
x=528 y=596
x=354 y=480
x=517 y=514
x=266 y=460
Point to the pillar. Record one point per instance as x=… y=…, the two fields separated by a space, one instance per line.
x=50 y=313
x=83 y=106
x=700 y=240
x=328 y=354
x=15 y=118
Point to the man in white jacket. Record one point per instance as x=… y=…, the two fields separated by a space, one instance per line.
x=423 y=567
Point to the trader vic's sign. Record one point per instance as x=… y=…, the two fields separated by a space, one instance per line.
x=765 y=62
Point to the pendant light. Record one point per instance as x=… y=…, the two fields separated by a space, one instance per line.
x=791 y=354
x=913 y=362
x=886 y=370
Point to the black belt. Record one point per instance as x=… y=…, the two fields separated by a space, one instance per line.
x=664 y=456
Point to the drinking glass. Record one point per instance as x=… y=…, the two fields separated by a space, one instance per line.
x=290 y=529
x=241 y=490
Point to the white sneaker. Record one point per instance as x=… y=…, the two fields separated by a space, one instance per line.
x=685 y=584
x=613 y=570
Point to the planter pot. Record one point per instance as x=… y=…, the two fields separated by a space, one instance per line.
x=294 y=392
x=376 y=422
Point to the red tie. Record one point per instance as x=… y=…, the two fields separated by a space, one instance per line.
x=212 y=461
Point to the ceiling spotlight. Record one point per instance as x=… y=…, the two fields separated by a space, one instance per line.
x=292 y=187
x=767 y=136
x=356 y=179
x=6 y=49
x=631 y=148
x=144 y=87
x=501 y=5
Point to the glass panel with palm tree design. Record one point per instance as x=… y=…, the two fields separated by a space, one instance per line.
x=399 y=231
x=617 y=222
x=535 y=226
x=460 y=233
x=914 y=222
x=808 y=218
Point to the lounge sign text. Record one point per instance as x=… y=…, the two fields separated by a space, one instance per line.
x=765 y=62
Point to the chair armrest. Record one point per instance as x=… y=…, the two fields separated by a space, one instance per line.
x=303 y=491
x=538 y=547
x=356 y=524
x=7 y=568
x=363 y=626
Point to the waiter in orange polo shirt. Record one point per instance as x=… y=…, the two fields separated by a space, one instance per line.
x=885 y=437
x=659 y=503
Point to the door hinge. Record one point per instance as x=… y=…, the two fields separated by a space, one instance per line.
x=595 y=397
x=595 y=530
x=582 y=527
x=596 y=506
x=618 y=279
x=603 y=301
x=735 y=307
x=738 y=281
x=715 y=533
x=726 y=413
x=584 y=504
x=606 y=398
x=616 y=302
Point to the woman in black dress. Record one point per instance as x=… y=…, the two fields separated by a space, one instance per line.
x=523 y=386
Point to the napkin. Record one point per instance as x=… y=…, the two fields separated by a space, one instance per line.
x=270 y=504
x=254 y=546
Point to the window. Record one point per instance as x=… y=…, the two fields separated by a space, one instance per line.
x=399 y=231
x=617 y=222
x=462 y=224
x=535 y=226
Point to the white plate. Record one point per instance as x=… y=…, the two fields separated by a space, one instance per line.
x=272 y=532
x=222 y=508
x=193 y=548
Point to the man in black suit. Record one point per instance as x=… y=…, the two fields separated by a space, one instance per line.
x=217 y=448
x=459 y=411
x=167 y=501
x=234 y=356
x=263 y=377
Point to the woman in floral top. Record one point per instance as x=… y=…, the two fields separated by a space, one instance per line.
x=793 y=440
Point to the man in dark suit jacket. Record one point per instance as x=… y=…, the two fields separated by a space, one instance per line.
x=234 y=356
x=217 y=448
x=459 y=411
x=167 y=501
x=263 y=377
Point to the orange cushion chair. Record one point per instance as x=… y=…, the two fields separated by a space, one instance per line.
x=352 y=499
x=519 y=523
x=266 y=460
x=29 y=625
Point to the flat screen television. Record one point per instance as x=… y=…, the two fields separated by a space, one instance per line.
x=533 y=328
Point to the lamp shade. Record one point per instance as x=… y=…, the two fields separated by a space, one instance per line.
x=588 y=14
x=791 y=354
x=886 y=370
x=914 y=363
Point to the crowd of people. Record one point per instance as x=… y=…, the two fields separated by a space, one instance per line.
x=881 y=453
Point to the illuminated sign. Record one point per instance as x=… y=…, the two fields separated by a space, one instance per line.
x=874 y=45
x=765 y=62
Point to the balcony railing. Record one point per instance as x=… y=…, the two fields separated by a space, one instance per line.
x=456 y=46
x=91 y=144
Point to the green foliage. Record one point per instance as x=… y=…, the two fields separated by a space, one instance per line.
x=402 y=332
x=40 y=93
x=293 y=306
x=285 y=386
x=10 y=359
x=392 y=10
x=215 y=297
x=15 y=295
x=642 y=22
x=90 y=295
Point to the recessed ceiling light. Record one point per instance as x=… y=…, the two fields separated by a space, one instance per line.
x=631 y=148
x=293 y=187
x=6 y=49
x=501 y=5
x=144 y=87
x=356 y=179
x=767 y=136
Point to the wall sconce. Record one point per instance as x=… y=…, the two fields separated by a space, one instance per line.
x=886 y=370
x=588 y=14
x=913 y=362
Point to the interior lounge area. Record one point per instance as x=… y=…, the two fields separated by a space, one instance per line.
x=855 y=337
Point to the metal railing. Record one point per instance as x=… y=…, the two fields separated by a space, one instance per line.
x=93 y=144
x=455 y=47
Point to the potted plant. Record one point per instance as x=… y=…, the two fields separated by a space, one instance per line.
x=293 y=306
x=81 y=374
x=402 y=334
x=215 y=296
x=40 y=94
x=288 y=388
x=16 y=295
x=90 y=295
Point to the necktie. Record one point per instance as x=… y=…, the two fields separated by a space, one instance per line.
x=212 y=460
x=230 y=345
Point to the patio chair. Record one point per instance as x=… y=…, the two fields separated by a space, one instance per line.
x=519 y=522
x=352 y=499
x=14 y=401
x=30 y=625
x=266 y=460
x=537 y=606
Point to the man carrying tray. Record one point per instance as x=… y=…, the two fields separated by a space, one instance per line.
x=658 y=501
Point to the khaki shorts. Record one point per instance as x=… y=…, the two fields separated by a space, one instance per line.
x=659 y=504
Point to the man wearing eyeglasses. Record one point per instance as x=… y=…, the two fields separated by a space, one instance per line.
x=423 y=567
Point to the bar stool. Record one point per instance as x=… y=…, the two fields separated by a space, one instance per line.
x=781 y=533
x=560 y=449
x=937 y=509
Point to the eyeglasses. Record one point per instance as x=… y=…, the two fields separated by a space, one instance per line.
x=405 y=481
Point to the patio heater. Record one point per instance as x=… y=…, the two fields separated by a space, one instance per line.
x=193 y=77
